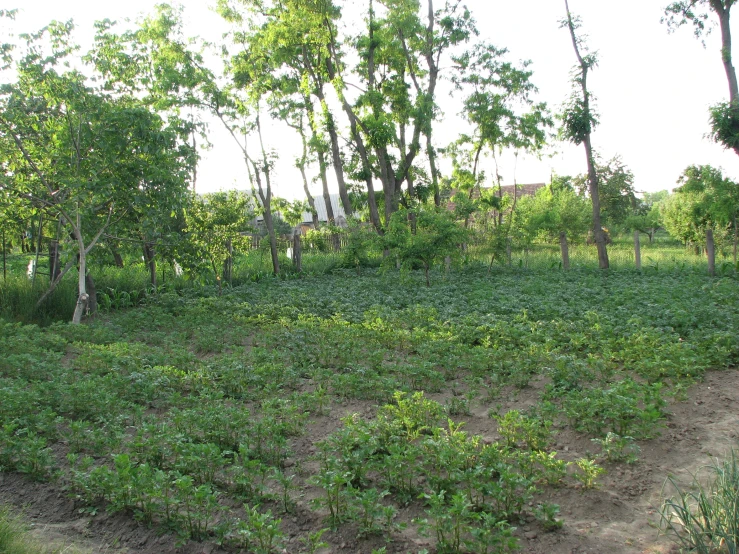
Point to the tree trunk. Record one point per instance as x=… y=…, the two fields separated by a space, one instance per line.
x=600 y=239
x=366 y=168
x=339 y=170
x=385 y=172
x=333 y=139
x=711 y=252
x=82 y=298
x=5 y=270
x=492 y=261
x=92 y=300
x=725 y=24
x=336 y=157
x=508 y=251
x=219 y=278
x=266 y=197
x=598 y=234
x=54 y=268
x=637 y=250
x=361 y=150
x=431 y=153
x=38 y=246
x=563 y=246
x=117 y=258
x=326 y=195
x=151 y=263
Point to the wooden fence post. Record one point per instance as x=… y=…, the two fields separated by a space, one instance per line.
x=711 y=251
x=564 y=247
x=297 y=253
x=637 y=250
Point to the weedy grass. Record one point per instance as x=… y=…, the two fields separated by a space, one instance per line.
x=703 y=516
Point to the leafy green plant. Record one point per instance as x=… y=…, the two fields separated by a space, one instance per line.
x=627 y=408
x=261 y=530
x=33 y=456
x=588 y=473
x=458 y=405
x=493 y=536
x=373 y=517
x=198 y=505
x=287 y=484
x=415 y=414
x=546 y=514
x=451 y=522
x=619 y=449
x=400 y=469
x=337 y=494
x=519 y=429
x=313 y=541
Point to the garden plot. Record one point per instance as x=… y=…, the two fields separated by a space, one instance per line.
x=533 y=412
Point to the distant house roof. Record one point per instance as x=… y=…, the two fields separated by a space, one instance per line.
x=321 y=209
x=521 y=190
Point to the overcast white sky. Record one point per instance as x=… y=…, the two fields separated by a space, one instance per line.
x=653 y=88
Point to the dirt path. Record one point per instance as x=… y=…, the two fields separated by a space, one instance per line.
x=619 y=517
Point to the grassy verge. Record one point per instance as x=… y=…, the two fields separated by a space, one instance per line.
x=15 y=538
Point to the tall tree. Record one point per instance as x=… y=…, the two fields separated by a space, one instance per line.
x=724 y=116
x=401 y=57
x=500 y=109
x=579 y=121
x=499 y=104
x=77 y=152
x=297 y=36
x=158 y=61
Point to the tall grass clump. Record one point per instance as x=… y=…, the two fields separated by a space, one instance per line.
x=18 y=301
x=704 y=518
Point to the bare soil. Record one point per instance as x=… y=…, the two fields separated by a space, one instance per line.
x=619 y=517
